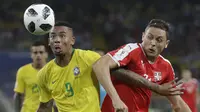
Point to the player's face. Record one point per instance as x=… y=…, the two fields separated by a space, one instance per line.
x=61 y=40
x=154 y=41
x=38 y=54
x=186 y=74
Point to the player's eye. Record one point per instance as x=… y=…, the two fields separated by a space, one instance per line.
x=41 y=52
x=159 y=40
x=52 y=36
x=150 y=37
x=62 y=36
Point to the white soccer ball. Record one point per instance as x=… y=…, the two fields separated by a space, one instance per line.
x=39 y=19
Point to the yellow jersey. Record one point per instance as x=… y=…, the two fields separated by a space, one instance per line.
x=26 y=83
x=74 y=87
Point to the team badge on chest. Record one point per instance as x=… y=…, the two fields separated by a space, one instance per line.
x=157 y=76
x=76 y=71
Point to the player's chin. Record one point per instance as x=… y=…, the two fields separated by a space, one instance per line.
x=152 y=54
x=57 y=53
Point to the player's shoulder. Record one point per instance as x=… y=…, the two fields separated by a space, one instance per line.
x=131 y=46
x=82 y=52
x=47 y=68
x=49 y=65
x=126 y=49
x=86 y=54
x=25 y=67
x=164 y=61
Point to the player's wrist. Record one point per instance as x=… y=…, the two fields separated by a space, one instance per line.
x=115 y=98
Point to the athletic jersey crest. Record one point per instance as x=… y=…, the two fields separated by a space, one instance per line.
x=76 y=71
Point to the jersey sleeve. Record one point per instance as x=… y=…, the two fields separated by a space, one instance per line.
x=122 y=55
x=19 y=83
x=171 y=74
x=45 y=95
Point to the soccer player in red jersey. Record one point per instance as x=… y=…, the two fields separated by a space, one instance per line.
x=144 y=59
x=191 y=93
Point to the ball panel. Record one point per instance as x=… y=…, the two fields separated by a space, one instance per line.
x=31 y=27
x=45 y=12
x=45 y=27
x=32 y=12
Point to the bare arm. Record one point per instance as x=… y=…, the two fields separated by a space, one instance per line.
x=178 y=104
x=133 y=79
x=102 y=70
x=18 y=100
x=45 y=107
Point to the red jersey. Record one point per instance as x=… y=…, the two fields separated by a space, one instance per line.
x=133 y=58
x=190 y=93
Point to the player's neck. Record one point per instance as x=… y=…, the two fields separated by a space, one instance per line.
x=63 y=60
x=151 y=59
x=38 y=66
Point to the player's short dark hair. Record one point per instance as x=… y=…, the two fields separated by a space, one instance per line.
x=39 y=43
x=159 y=23
x=63 y=23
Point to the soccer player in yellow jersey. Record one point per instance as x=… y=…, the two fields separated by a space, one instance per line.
x=26 y=90
x=68 y=79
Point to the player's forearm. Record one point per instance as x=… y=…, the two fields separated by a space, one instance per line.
x=18 y=102
x=134 y=79
x=178 y=104
x=182 y=107
x=102 y=72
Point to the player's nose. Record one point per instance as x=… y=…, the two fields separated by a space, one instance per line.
x=57 y=39
x=153 y=42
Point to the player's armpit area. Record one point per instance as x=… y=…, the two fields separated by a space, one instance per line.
x=45 y=107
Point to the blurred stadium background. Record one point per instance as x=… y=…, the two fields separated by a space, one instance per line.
x=104 y=24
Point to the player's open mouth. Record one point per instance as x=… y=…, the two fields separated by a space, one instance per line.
x=57 y=49
x=152 y=50
x=38 y=59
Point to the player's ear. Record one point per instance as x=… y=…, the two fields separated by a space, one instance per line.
x=143 y=33
x=167 y=43
x=73 y=40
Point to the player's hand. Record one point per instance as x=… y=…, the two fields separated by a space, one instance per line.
x=171 y=88
x=119 y=106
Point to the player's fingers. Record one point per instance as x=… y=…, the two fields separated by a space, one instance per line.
x=177 y=93
x=176 y=89
x=179 y=83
